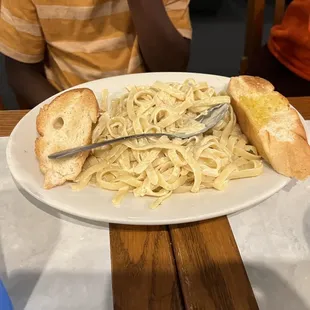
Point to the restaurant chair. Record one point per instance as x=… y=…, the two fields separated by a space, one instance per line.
x=255 y=26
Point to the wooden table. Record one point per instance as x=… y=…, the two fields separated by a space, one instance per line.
x=188 y=266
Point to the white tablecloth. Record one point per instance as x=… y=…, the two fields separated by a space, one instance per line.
x=48 y=260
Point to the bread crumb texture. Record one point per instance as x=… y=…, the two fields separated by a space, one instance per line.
x=271 y=124
x=65 y=123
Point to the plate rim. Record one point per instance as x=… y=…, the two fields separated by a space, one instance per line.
x=139 y=221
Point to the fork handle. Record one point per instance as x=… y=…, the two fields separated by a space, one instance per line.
x=75 y=150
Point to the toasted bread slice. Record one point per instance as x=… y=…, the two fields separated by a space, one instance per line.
x=272 y=125
x=65 y=123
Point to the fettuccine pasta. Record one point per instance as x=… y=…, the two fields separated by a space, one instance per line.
x=159 y=167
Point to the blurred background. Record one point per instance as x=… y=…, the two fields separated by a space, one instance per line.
x=218 y=40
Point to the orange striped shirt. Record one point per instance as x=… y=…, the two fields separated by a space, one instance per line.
x=79 y=40
x=290 y=41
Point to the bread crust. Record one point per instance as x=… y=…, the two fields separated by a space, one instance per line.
x=282 y=142
x=76 y=111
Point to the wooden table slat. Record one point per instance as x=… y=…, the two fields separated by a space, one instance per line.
x=144 y=274
x=8 y=120
x=302 y=104
x=210 y=268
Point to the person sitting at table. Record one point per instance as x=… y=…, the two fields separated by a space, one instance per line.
x=53 y=45
x=285 y=60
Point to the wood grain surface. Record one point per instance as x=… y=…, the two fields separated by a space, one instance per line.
x=302 y=104
x=144 y=273
x=210 y=268
x=8 y=120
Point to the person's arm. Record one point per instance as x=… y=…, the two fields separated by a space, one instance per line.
x=23 y=44
x=28 y=81
x=162 y=47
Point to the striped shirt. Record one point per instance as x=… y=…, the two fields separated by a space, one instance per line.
x=79 y=40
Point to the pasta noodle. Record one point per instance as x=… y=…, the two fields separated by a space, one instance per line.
x=159 y=167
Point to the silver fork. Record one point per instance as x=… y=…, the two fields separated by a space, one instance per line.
x=210 y=119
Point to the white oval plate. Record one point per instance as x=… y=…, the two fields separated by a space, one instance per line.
x=96 y=204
